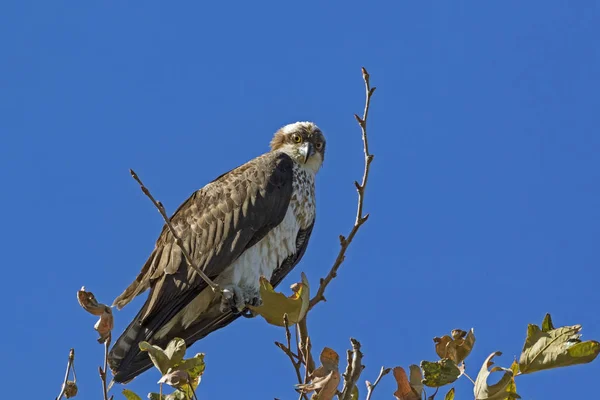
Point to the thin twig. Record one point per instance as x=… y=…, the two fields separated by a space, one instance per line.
x=178 y=240
x=294 y=358
x=371 y=386
x=103 y=371
x=69 y=367
x=193 y=391
x=360 y=187
x=469 y=378
x=304 y=345
x=353 y=370
x=307 y=372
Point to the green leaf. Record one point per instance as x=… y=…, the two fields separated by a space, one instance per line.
x=512 y=386
x=195 y=368
x=157 y=356
x=449 y=395
x=166 y=359
x=275 y=305
x=456 y=347
x=439 y=373
x=547 y=323
x=129 y=395
x=178 y=395
x=175 y=351
x=497 y=391
x=551 y=347
x=156 y=396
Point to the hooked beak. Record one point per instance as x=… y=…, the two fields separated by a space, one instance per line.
x=307 y=150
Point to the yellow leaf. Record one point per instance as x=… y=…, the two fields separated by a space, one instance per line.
x=551 y=347
x=275 y=305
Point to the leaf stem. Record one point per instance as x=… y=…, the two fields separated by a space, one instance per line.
x=469 y=378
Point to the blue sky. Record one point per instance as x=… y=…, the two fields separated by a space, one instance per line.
x=484 y=195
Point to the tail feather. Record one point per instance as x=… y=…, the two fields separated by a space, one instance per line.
x=127 y=361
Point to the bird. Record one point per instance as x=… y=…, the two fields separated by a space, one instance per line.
x=254 y=220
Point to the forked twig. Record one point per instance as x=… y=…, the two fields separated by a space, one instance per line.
x=70 y=365
x=360 y=187
x=161 y=210
x=371 y=386
x=287 y=349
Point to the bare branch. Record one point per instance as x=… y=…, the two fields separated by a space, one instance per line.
x=371 y=386
x=161 y=210
x=294 y=358
x=70 y=365
x=102 y=371
x=360 y=188
x=304 y=345
x=353 y=370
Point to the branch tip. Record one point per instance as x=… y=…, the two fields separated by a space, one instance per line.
x=360 y=187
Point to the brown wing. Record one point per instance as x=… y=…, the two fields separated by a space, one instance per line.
x=217 y=223
x=289 y=263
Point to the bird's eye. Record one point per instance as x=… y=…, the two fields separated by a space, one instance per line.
x=319 y=145
x=296 y=138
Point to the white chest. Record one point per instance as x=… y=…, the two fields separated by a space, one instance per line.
x=262 y=258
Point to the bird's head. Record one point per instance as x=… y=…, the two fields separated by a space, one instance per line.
x=303 y=141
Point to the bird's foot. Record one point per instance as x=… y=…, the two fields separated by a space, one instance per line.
x=235 y=299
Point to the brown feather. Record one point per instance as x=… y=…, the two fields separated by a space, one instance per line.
x=209 y=228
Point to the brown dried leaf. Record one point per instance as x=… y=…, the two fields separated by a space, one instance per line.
x=325 y=387
x=88 y=301
x=456 y=347
x=405 y=390
x=329 y=359
x=325 y=379
x=104 y=325
x=70 y=389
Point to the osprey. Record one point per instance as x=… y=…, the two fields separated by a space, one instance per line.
x=253 y=220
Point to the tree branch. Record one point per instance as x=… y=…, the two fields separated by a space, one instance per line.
x=304 y=345
x=161 y=210
x=70 y=365
x=294 y=358
x=371 y=386
x=101 y=371
x=353 y=370
x=360 y=188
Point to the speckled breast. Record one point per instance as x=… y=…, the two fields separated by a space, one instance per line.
x=303 y=196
